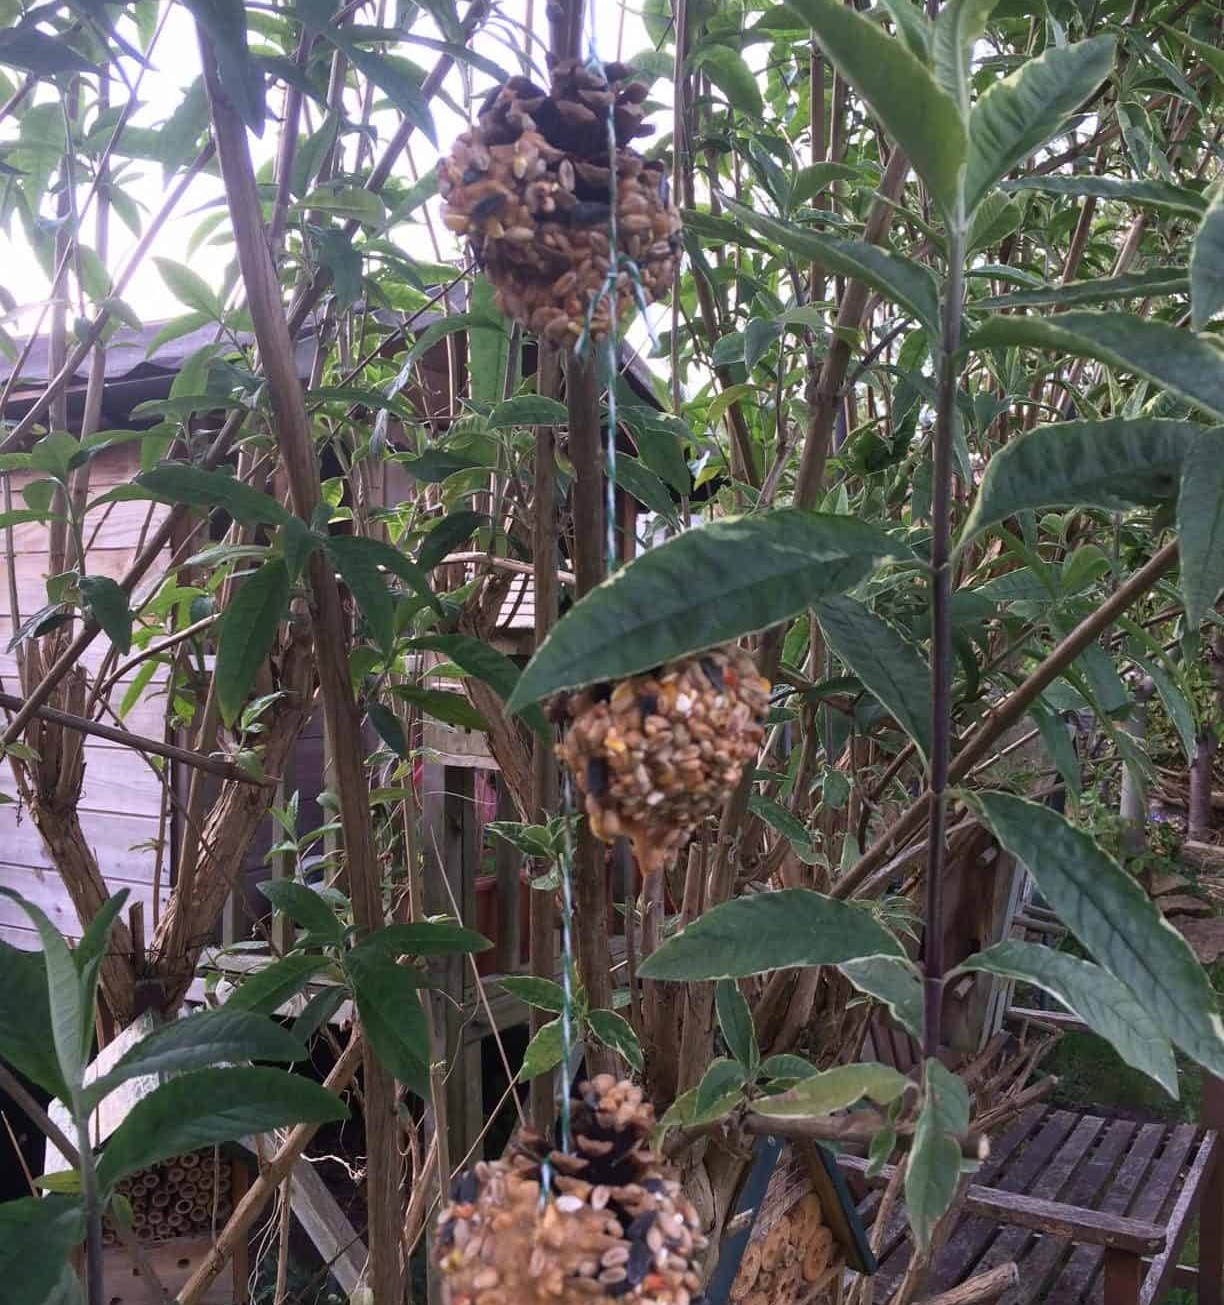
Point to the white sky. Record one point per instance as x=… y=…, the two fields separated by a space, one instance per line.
x=175 y=64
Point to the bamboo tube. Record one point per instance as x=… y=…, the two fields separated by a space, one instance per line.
x=192 y=1160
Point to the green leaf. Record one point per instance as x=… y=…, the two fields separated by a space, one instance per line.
x=702 y=588
x=488 y=343
x=995 y=219
x=38 y=53
x=69 y=1018
x=1200 y=524
x=427 y=938
x=224 y=21
x=920 y=117
x=907 y=283
x=358 y=566
x=641 y=483
x=37 y=1235
x=26 y=1041
x=1114 y=918
x=189 y=288
x=735 y=1021
x=615 y=1031
x=298 y=543
x=835 y=1089
x=934 y=1165
x=180 y=482
x=1107 y=1006
x=1058 y=743
x=817 y=177
x=361 y=554
x=1207 y=266
x=914 y=28
x=544 y=1051
x=958 y=26
x=1174 y=702
x=106 y=602
x=488 y=665
x=199 y=1041
x=1018 y=114
x=1109 y=464
x=454 y=529
x=436 y=465
x=894 y=982
x=210 y=1106
x=889 y=665
x=1100 y=290
x=304 y=906
x=544 y=994
x=527 y=410
x=769 y=931
x=787 y=1066
x=780 y=818
x=441 y=704
x=1148 y=194
x=718 y=1093
x=351 y=202
x=246 y=633
x=1185 y=364
x=728 y=71
x=268 y=989
x=392 y=1019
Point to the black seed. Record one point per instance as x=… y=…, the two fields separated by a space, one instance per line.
x=648 y=703
x=713 y=673
x=600 y=692
x=465 y=1188
x=589 y=213
x=470 y=174
x=619 y=1288
x=641 y=1225
x=640 y=1259
x=654 y=1185
x=597 y=776
x=488 y=206
x=446 y=1233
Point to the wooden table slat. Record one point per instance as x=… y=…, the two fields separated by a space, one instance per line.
x=1088 y=1183
x=1150 y=1198
x=1015 y=1170
x=1164 y=1266
x=1013 y=1243
x=1084 y=1261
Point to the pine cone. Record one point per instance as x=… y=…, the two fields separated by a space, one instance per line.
x=616 y=1227
x=659 y=752
x=530 y=186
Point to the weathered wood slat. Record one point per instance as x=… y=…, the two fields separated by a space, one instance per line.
x=1160 y=1276
x=1005 y=1207
x=1151 y=1197
x=1085 y=1189
x=117 y=780
x=1084 y=1261
x=1014 y=1243
x=971 y=1237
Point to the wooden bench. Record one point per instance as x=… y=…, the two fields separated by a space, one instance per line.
x=1091 y=1209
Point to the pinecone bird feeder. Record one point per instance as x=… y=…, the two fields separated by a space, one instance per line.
x=657 y=753
x=531 y=187
x=613 y=1226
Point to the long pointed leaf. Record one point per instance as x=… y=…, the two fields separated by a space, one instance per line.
x=69 y=1018
x=904 y=282
x=957 y=28
x=920 y=117
x=1147 y=194
x=210 y=1106
x=770 y=931
x=1110 y=464
x=1200 y=524
x=1207 y=266
x=889 y=665
x=247 y=631
x=1114 y=918
x=1020 y=113
x=1185 y=364
x=1106 y=1005
x=705 y=587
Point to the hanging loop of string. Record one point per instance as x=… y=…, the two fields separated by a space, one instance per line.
x=618 y=263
